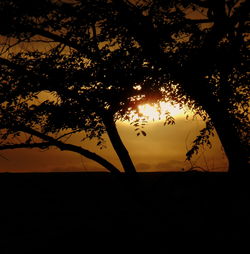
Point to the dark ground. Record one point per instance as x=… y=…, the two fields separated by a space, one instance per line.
x=98 y=213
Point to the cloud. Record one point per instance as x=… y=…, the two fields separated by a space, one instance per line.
x=172 y=165
x=75 y=168
x=143 y=166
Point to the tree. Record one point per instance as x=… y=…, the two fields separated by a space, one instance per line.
x=76 y=57
x=112 y=47
x=207 y=56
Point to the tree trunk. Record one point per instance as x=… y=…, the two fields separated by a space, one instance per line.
x=236 y=154
x=118 y=146
x=235 y=151
x=223 y=122
x=191 y=75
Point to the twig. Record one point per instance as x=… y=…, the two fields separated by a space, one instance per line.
x=4 y=157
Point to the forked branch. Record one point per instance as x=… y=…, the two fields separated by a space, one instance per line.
x=50 y=141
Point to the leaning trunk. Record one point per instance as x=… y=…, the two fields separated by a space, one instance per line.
x=119 y=147
x=235 y=151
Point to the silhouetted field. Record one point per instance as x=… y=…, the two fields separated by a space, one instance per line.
x=54 y=212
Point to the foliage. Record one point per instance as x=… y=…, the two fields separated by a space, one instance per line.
x=82 y=64
x=201 y=48
x=202 y=139
x=99 y=59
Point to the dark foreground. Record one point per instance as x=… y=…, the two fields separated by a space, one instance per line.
x=98 y=213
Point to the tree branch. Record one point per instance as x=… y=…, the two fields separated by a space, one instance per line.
x=55 y=37
x=50 y=141
x=44 y=82
x=67 y=134
x=12 y=65
x=41 y=145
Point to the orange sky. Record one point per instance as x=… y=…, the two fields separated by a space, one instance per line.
x=163 y=149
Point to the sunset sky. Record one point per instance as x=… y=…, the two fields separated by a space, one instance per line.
x=162 y=149
x=122 y=121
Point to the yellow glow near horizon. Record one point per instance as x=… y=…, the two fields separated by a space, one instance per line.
x=154 y=112
x=157 y=112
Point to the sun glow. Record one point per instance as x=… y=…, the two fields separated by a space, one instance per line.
x=157 y=112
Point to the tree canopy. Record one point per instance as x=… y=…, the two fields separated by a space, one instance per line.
x=99 y=59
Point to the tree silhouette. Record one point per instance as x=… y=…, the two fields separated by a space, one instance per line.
x=202 y=46
x=89 y=76
x=91 y=55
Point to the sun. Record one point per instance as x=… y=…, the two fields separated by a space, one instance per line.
x=157 y=112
